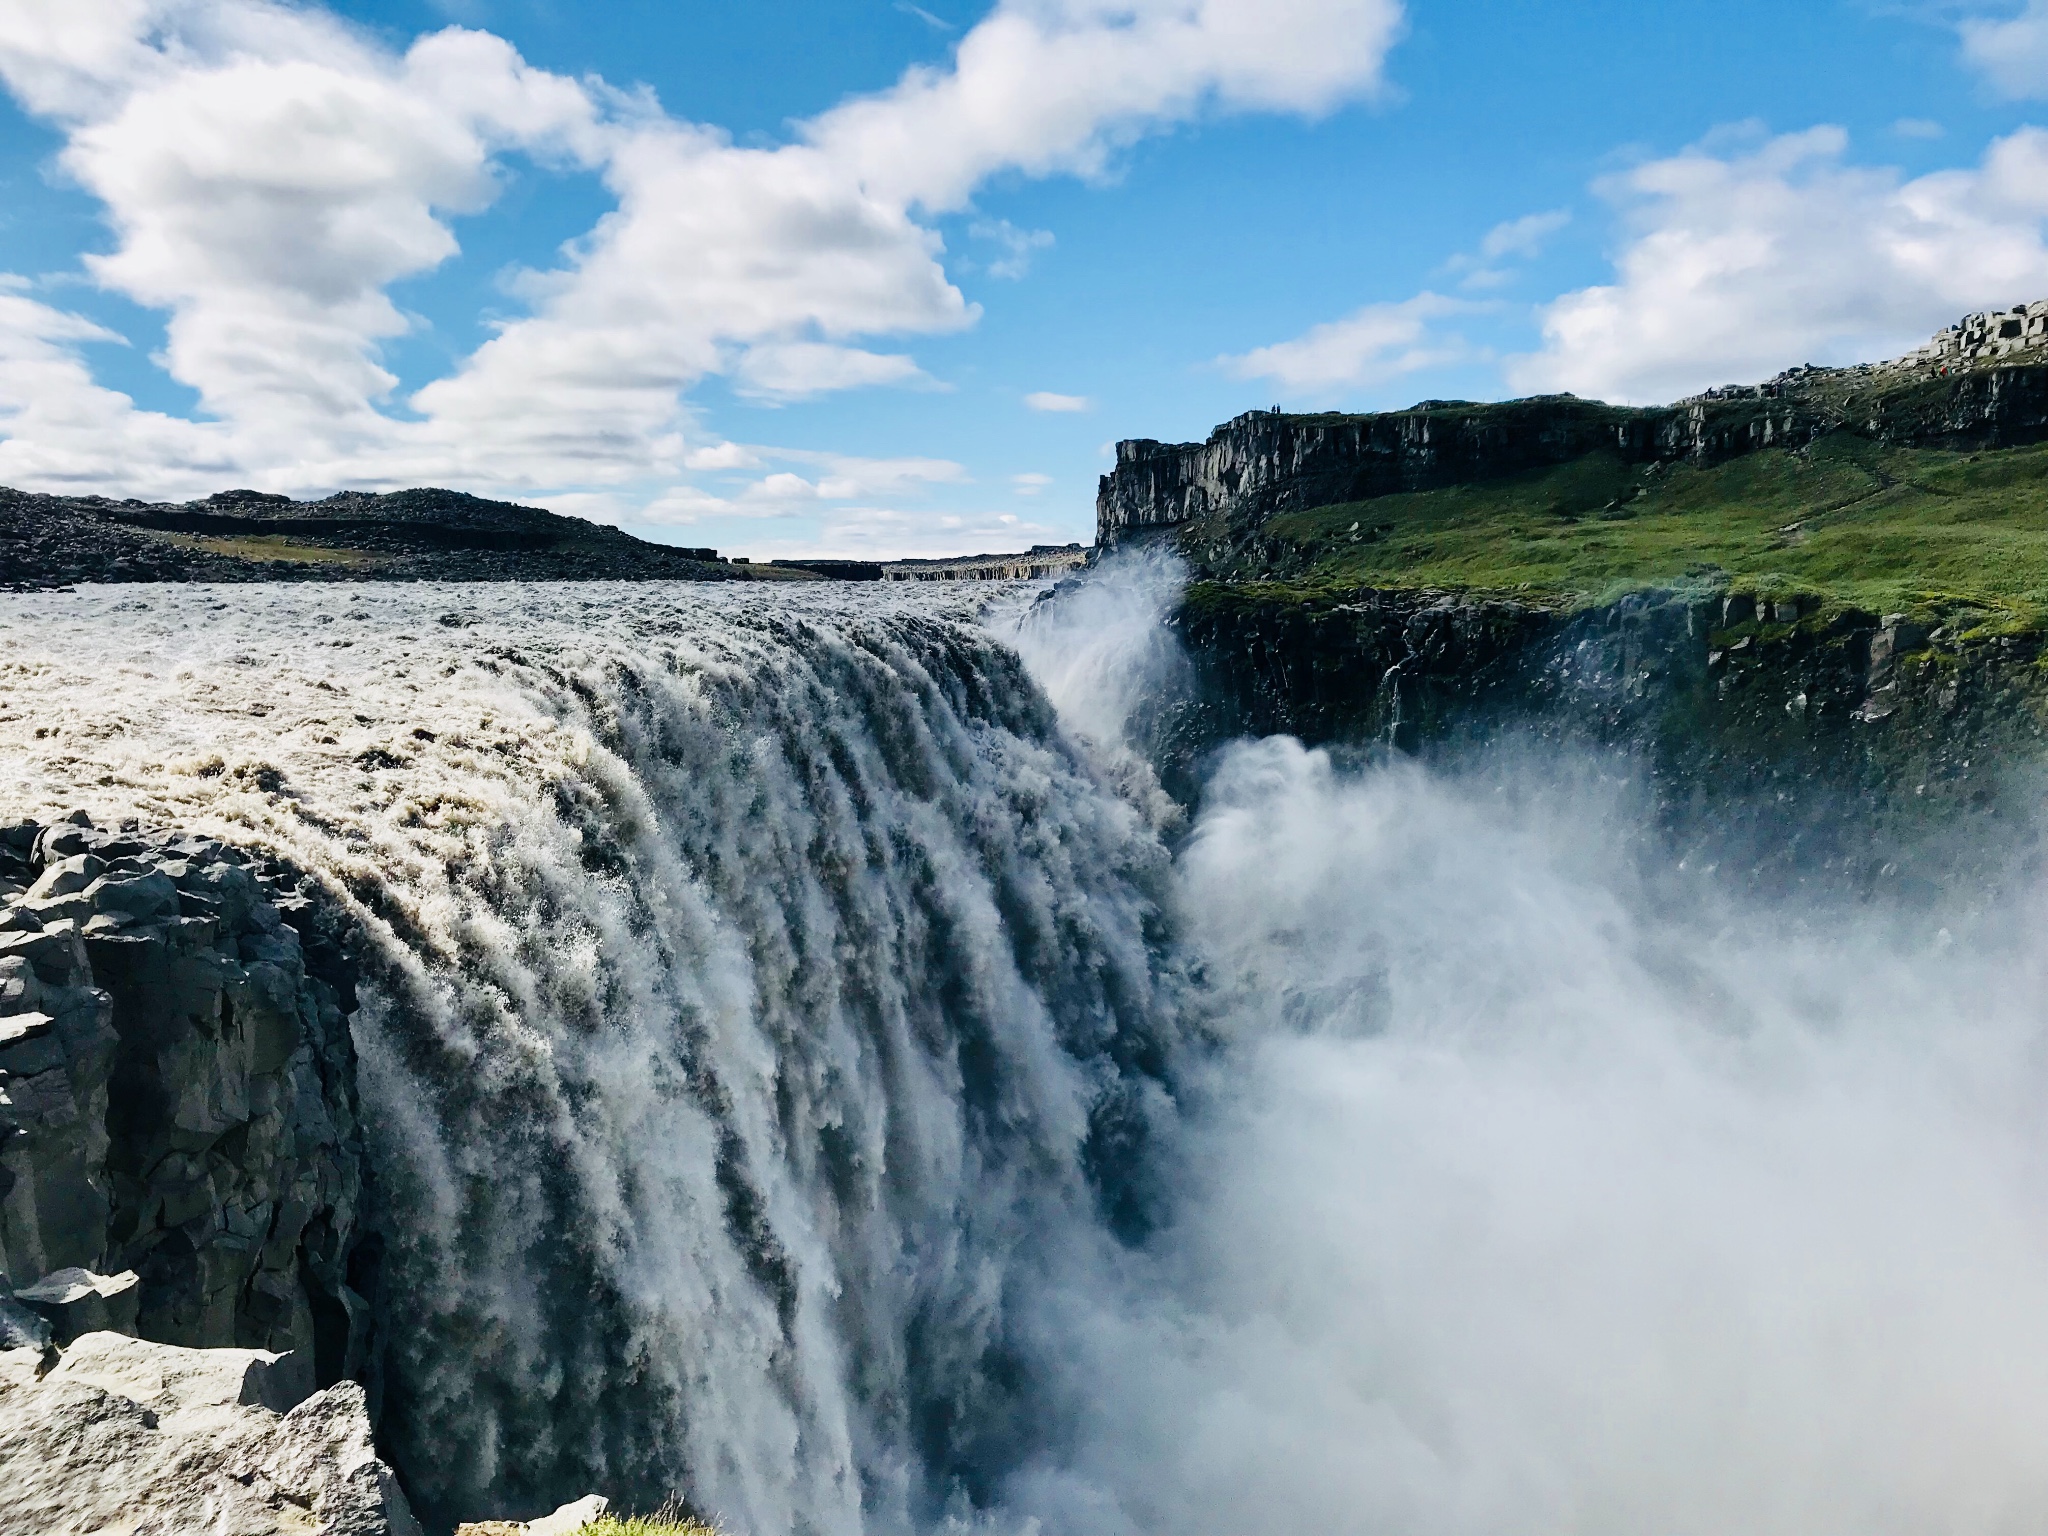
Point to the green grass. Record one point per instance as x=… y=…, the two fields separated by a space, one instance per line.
x=1859 y=525
x=266 y=546
x=661 y=1523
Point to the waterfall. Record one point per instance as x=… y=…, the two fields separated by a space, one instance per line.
x=761 y=984
x=811 y=1066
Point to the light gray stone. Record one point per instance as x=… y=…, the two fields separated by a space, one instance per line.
x=66 y=878
x=153 y=1440
x=76 y=1302
x=570 y=1518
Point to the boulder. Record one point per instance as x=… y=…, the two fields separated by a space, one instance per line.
x=566 y=1521
x=76 y=1301
x=155 y=1440
x=67 y=877
x=22 y=1331
x=570 y=1518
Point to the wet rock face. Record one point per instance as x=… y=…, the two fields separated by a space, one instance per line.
x=1818 y=750
x=117 y=1434
x=177 y=1095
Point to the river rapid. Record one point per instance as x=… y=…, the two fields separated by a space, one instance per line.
x=810 y=1066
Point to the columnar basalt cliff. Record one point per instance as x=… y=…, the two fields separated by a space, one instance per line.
x=1972 y=387
x=179 y=1148
x=1568 y=586
x=1813 y=749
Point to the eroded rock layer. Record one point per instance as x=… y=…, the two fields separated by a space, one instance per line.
x=177 y=1093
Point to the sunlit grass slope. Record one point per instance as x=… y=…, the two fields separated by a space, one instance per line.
x=1857 y=524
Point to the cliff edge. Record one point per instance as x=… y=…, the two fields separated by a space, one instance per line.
x=1488 y=477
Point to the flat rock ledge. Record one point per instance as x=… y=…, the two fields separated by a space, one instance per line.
x=566 y=1521
x=120 y=1435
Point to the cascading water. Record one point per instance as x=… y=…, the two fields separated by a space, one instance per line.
x=760 y=978
x=800 y=1074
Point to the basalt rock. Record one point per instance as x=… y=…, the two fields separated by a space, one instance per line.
x=180 y=1154
x=1972 y=387
x=147 y=1439
x=415 y=535
x=1819 y=748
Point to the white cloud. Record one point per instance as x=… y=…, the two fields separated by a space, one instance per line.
x=269 y=172
x=1738 y=264
x=721 y=456
x=1918 y=128
x=1376 y=344
x=832 y=478
x=1046 y=400
x=790 y=370
x=49 y=403
x=1030 y=483
x=1046 y=86
x=1019 y=245
x=891 y=533
x=936 y=23
x=847 y=477
x=2011 y=52
x=1524 y=236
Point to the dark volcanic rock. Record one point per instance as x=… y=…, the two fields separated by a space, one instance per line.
x=177 y=1097
x=1813 y=748
x=1267 y=462
x=416 y=535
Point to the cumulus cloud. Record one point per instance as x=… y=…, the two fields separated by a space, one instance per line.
x=1740 y=262
x=49 y=402
x=790 y=370
x=1376 y=344
x=269 y=172
x=720 y=456
x=1046 y=86
x=2012 y=51
x=819 y=478
x=1046 y=400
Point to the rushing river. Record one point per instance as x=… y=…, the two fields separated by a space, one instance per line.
x=811 y=1067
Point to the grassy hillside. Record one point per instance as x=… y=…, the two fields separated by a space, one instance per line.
x=1860 y=525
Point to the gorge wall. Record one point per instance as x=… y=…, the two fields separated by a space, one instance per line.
x=1871 y=726
x=1819 y=750
x=1266 y=462
x=179 y=1138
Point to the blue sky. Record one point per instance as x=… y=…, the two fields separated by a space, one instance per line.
x=807 y=277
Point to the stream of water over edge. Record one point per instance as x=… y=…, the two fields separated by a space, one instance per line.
x=810 y=1066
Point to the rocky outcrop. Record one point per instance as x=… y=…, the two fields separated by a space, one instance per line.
x=121 y=1435
x=1034 y=564
x=1814 y=747
x=566 y=1521
x=1964 y=391
x=415 y=535
x=1985 y=340
x=179 y=1147
x=1265 y=462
